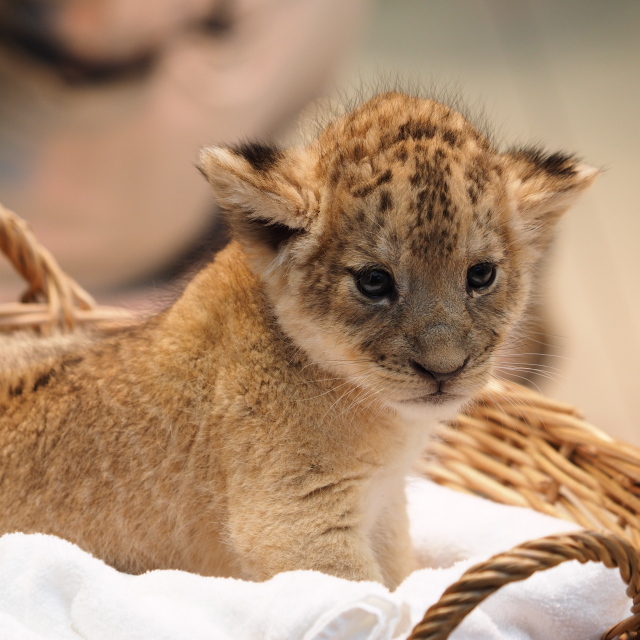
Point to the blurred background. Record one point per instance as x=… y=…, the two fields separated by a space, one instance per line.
x=104 y=104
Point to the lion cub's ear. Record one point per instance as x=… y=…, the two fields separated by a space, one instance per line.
x=262 y=189
x=544 y=186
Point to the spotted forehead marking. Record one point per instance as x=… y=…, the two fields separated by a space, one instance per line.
x=366 y=189
x=411 y=158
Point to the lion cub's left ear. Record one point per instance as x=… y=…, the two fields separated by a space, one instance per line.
x=262 y=189
x=544 y=186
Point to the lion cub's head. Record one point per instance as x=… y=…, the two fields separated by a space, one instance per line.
x=399 y=247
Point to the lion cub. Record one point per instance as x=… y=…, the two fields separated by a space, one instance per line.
x=265 y=422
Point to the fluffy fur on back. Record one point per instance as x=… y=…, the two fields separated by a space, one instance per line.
x=265 y=421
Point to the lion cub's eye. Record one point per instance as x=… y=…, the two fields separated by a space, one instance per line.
x=481 y=275
x=374 y=283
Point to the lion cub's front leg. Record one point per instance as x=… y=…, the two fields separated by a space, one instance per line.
x=275 y=531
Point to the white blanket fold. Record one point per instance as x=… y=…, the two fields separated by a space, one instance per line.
x=51 y=590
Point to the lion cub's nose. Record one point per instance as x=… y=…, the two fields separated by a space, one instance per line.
x=438 y=376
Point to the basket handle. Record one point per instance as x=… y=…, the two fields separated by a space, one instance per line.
x=65 y=301
x=480 y=581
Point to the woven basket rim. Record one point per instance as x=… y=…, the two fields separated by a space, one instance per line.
x=53 y=300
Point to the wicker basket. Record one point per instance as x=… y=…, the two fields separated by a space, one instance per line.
x=514 y=447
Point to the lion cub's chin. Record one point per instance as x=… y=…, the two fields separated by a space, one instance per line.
x=429 y=409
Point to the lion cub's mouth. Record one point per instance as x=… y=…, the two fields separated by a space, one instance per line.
x=437 y=397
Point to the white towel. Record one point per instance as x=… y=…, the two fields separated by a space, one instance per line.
x=50 y=589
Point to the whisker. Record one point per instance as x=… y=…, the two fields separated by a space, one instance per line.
x=506 y=398
x=542 y=355
x=511 y=371
x=531 y=367
x=344 y=361
x=522 y=378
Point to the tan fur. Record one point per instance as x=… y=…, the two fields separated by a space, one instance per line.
x=265 y=421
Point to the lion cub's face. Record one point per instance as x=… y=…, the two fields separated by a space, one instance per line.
x=399 y=247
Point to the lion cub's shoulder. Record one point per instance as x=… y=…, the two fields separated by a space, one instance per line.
x=27 y=356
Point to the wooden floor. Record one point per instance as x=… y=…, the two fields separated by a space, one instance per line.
x=566 y=75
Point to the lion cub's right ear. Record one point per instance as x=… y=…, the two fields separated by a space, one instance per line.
x=262 y=189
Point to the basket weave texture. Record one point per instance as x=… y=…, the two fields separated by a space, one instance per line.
x=513 y=446
x=53 y=300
